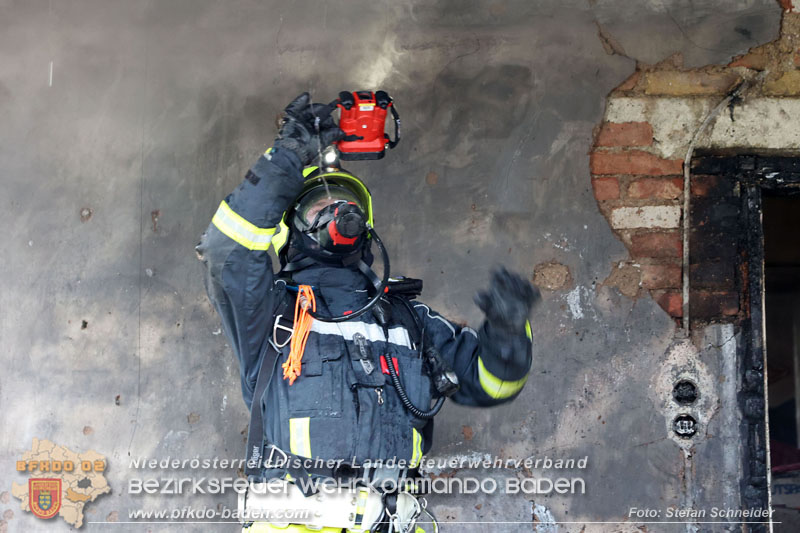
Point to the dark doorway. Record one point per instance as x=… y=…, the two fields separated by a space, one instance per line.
x=782 y=284
x=781 y=222
x=745 y=270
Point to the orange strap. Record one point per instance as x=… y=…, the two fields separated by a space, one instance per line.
x=301 y=327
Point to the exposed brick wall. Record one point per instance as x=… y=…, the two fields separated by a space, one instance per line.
x=640 y=193
x=636 y=164
x=624 y=160
x=644 y=207
x=627 y=134
x=642 y=196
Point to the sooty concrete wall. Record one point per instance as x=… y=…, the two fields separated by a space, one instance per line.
x=125 y=123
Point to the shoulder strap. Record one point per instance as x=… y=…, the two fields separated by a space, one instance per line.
x=400 y=291
x=281 y=333
x=257 y=442
x=404 y=315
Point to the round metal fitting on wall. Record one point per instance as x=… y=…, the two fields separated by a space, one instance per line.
x=685 y=392
x=684 y=426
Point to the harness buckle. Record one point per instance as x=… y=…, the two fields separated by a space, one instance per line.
x=278 y=326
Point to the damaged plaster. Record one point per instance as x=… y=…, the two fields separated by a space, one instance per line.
x=637 y=165
x=626 y=277
x=759 y=123
x=552 y=276
x=674 y=100
x=650 y=121
x=543 y=520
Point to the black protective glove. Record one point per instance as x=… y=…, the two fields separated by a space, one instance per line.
x=307 y=128
x=508 y=301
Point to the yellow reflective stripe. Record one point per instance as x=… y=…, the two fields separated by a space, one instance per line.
x=361 y=506
x=267 y=527
x=496 y=387
x=240 y=230
x=299 y=436
x=416 y=445
x=366 y=197
x=358 y=187
x=528 y=330
x=281 y=236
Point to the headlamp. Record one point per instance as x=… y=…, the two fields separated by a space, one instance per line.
x=330 y=157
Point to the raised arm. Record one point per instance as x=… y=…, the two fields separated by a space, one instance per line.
x=234 y=248
x=492 y=363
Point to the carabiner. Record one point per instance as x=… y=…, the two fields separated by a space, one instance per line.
x=277 y=325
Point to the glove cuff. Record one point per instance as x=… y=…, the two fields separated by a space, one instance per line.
x=511 y=352
x=284 y=158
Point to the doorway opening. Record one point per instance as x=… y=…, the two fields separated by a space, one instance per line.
x=781 y=223
x=745 y=270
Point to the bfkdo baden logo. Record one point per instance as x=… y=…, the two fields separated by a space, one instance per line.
x=45 y=497
x=61 y=483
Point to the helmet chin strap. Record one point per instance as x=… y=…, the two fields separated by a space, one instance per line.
x=379 y=284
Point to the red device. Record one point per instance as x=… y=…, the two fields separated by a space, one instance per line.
x=385 y=365
x=363 y=119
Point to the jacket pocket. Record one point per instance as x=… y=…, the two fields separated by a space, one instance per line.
x=318 y=390
x=415 y=382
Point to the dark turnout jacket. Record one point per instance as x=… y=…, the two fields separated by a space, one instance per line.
x=336 y=409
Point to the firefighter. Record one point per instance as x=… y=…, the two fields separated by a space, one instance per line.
x=350 y=386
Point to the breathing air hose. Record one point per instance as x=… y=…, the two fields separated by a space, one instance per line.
x=444 y=379
x=413 y=409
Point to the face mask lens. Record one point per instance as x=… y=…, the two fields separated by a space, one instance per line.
x=313 y=210
x=317 y=200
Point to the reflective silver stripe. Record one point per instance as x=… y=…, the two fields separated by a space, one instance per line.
x=446 y=323
x=372 y=332
x=300 y=436
x=428 y=310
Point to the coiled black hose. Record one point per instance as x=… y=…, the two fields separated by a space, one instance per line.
x=413 y=409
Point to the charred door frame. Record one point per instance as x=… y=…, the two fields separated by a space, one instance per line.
x=753 y=174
